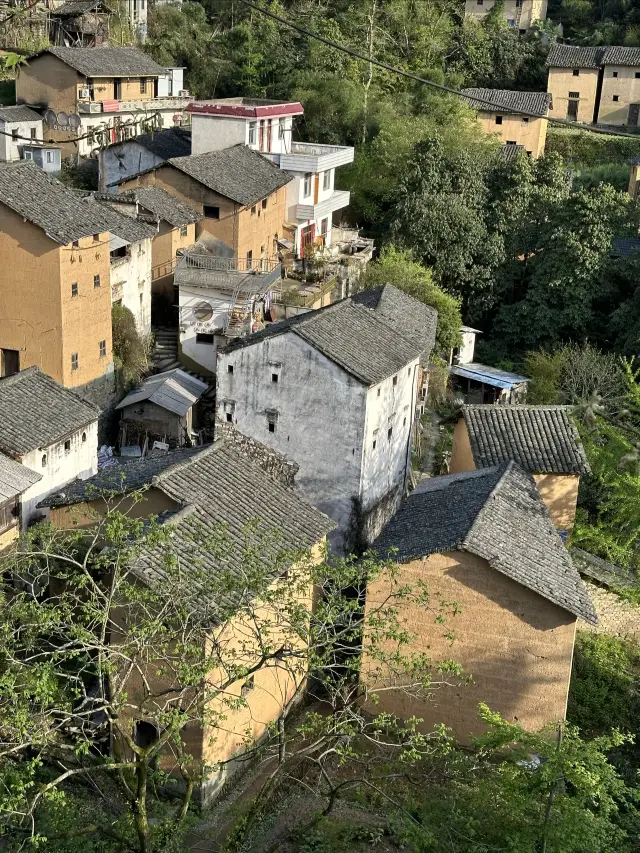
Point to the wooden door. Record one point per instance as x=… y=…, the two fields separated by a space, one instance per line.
x=9 y=362
x=572 y=110
x=261 y=146
x=269 y=135
x=634 y=111
x=316 y=190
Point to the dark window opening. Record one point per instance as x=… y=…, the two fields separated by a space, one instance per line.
x=253 y=210
x=204 y=338
x=67 y=445
x=103 y=349
x=44 y=460
x=9 y=514
x=121 y=252
x=34 y=133
x=274 y=377
x=96 y=238
x=264 y=203
x=96 y=281
x=211 y=211
x=378 y=392
x=9 y=362
x=614 y=74
x=616 y=97
x=84 y=437
x=74 y=288
x=229 y=418
x=248 y=686
x=272 y=426
x=395 y=380
x=637 y=75
x=576 y=72
x=229 y=368
x=75 y=244
x=145 y=734
x=498 y=119
x=15 y=133
x=374 y=443
x=74 y=361
x=184 y=230
x=389 y=432
x=249 y=260
x=404 y=422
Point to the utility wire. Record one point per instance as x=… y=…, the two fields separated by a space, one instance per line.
x=439 y=86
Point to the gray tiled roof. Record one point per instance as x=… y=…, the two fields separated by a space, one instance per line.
x=504 y=100
x=120 y=479
x=77 y=7
x=174 y=390
x=350 y=335
x=47 y=203
x=237 y=173
x=161 y=204
x=541 y=439
x=408 y=315
x=171 y=142
x=498 y=515
x=621 y=56
x=36 y=411
x=568 y=56
x=128 y=227
x=106 y=61
x=15 y=478
x=222 y=487
x=19 y=112
x=509 y=152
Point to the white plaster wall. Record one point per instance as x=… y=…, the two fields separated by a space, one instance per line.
x=9 y=149
x=121 y=161
x=131 y=280
x=203 y=354
x=385 y=467
x=213 y=132
x=62 y=467
x=467 y=348
x=321 y=417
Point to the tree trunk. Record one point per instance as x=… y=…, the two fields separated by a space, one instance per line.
x=140 y=817
x=369 y=80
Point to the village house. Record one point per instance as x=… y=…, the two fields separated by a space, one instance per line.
x=22 y=126
x=130 y=262
x=91 y=97
x=49 y=430
x=46 y=157
x=15 y=480
x=336 y=390
x=484 y=540
x=129 y=157
x=267 y=126
x=57 y=312
x=595 y=85
x=481 y=383
x=164 y=408
x=499 y=112
x=521 y=14
x=80 y=23
x=233 y=484
x=176 y=230
x=541 y=439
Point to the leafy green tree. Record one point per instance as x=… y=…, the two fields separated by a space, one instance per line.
x=104 y=627
x=130 y=351
x=398 y=268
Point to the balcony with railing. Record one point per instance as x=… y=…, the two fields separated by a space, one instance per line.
x=338 y=200
x=309 y=157
x=248 y=275
x=149 y=105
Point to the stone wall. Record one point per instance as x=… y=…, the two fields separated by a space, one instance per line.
x=616 y=616
x=282 y=469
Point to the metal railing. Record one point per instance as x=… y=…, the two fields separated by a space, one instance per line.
x=218 y=264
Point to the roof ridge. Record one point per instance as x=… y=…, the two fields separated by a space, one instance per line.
x=507 y=468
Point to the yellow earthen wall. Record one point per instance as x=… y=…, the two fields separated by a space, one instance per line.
x=516 y=645
x=86 y=318
x=461 y=455
x=627 y=89
x=560 y=495
x=48 y=81
x=9 y=536
x=561 y=81
x=86 y=514
x=532 y=134
x=260 y=228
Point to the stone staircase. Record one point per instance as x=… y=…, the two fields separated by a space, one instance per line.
x=164 y=356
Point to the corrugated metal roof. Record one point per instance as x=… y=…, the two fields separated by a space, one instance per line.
x=15 y=478
x=174 y=390
x=488 y=375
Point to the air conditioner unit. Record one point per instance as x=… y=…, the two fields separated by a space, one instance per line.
x=184 y=93
x=84 y=93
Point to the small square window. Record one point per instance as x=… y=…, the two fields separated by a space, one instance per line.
x=614 y=73
x=574 y=94
x=75 y=244
x=498 y=119
x=395 y=380
x=389 y=432
x=74 y=288
x=103 y=349
x=274 y=377
x=480 y=2
x=248 y=686
x=637 y=75
x=96 y=281
x=616 y=97
x=576 y=72
x=74 y=361
x=204 y=338
x=229 y=368
x=525 y=119
x=229 y=418
x=253 y=210
x=15 y=133
x=67 y=445
x=96 y=238
x=211 y=211
x=33 y=133
x=374 y=443
x=264 y=203
x=272 y=426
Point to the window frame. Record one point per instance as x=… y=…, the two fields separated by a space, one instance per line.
x=75 y=361
x=307 y=184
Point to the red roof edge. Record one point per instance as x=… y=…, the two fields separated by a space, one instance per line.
x=291 y=108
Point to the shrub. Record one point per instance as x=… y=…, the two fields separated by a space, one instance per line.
x=130 y=350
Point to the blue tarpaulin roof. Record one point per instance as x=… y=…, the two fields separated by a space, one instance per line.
x=488 y=375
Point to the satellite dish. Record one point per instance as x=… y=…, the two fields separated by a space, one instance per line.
x=62 y=119
x=50 y=117
x=203 y=312
x=74 y=121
